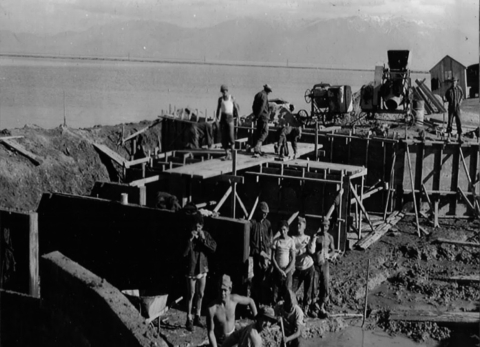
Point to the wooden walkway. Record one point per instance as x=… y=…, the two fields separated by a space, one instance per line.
x=216 y=167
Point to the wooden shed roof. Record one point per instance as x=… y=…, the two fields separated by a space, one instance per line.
x=433 y=68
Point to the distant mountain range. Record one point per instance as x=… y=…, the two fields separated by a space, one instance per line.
x=353 y=42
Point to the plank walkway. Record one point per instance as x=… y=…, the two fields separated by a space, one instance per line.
x=216 y=167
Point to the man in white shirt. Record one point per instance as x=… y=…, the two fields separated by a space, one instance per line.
x=304 y=269
x=283 y=259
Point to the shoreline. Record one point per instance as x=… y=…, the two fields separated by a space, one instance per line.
x=189 y=62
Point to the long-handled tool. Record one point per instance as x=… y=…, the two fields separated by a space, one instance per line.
x=366 y=295
x=284 y=344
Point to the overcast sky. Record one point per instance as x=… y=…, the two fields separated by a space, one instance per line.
x=53 y=16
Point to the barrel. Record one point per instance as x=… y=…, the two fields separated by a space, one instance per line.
x=419 y=111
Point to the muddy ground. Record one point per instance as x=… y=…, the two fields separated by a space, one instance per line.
x=405 y=269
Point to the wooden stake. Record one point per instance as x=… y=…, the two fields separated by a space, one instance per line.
x=413 y=190
x=366 y=295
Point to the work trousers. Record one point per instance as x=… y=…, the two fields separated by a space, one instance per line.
x=227 y=130
x=307 y=277
x=281 y=283
x=261 y=134
x=454 y=112
x=261 y=282
x=323 y=282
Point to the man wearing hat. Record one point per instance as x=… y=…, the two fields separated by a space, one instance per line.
x=250 y=335
x=323 y=243
x=261 y=113
x=227 y=110
x=221 y=312
x=293 y=318
x=261 y=237
x=454 y=96
x=304 y=269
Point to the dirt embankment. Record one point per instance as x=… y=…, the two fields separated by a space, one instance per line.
x=69 y=161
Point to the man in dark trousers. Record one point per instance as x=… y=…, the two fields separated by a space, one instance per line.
x=261 y=239
x=261 y=113
x=454 y=96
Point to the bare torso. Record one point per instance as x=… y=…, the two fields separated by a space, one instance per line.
x=224 y=316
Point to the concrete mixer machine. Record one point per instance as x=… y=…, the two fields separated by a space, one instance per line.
x=391 y=91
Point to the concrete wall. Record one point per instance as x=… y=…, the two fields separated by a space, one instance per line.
x=19 y=252
x=104 y=314
x=135 y=247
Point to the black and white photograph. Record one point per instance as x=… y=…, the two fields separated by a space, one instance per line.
x=251 y=173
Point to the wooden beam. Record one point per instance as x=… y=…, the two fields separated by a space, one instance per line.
x=113 y=155
x=222 y=200
x=228 y=178
x=462 y=194
x=20 y=149
x=465 y=279
x=258 y=174
x=143 y=181
x=34 y=280
x=241 y=204
x=155 y=122
x=443 y=317
x=381 y=230
x=130 y=163
x=10 y=137
x=254 y=207
x=459 y=243
x=470 y=183
x=413 y=187
x=360 y=204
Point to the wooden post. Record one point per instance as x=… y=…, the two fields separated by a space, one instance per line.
x=413 y=189
x=390 y=186
x=143 y=170
x=254 y=207
x=234 y=184
x=143 y=195
x=34 y=280
x=316 y=140
x=361 y=213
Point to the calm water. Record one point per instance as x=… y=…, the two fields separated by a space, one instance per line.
x=38 y=91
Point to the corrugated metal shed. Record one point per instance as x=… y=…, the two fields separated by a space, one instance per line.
x=445 y=69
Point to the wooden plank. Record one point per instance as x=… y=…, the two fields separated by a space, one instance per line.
x=440 y=317
x=381 y=230
x=470 y=183
x=466 y=279
x=222 y=200
x=10 y=137
x=462 y=194
x=143 y=181
x=34 y=280
x=459 y=243
x=155 y=122
x=114 y=156
x=413 y=187
x=128 y=164
x=229 y=178
x=241 y=204
x=20 y=149
x=298 y=178
x=359 y=202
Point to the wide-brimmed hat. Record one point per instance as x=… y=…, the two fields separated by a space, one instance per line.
x=267 y=88
x=267 y=312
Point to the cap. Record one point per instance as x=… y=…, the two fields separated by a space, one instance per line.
x=267 y=312
x=226 y=282
x=223 y=88
x=267 y=88
x=302 y=219
x=264 y=207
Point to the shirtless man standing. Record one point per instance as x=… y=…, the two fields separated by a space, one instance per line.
x=323 y=242
x=221 y=312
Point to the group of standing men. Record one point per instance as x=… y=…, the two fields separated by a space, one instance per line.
x=281 y=263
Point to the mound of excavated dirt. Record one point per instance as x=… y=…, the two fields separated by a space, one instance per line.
x=69 y=161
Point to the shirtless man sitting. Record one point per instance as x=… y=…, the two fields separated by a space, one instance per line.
x=221 y=312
